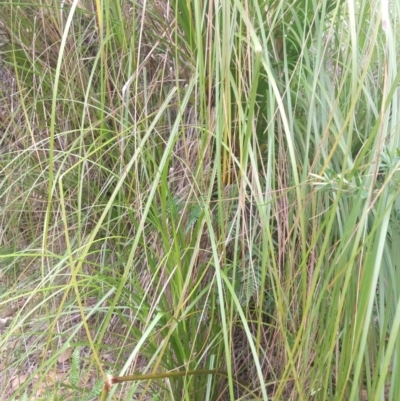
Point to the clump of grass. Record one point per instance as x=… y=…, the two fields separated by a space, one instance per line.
x=192 y=188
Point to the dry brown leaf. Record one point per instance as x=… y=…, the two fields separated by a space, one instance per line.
x=65 y=355
x=3 y=322
x=17 y=381
x=13 y=309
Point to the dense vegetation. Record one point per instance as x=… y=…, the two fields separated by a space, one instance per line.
x=209 y=187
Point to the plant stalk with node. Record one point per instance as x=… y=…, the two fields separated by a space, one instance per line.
x=111 y=380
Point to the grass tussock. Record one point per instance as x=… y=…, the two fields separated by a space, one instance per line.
x=203 y=188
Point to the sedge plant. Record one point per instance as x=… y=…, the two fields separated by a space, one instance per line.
x=200 y=200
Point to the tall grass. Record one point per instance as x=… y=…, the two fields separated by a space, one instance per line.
x=203 y=187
